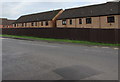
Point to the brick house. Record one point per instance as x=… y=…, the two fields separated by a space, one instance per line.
x=6 y=23
x=106 y=15
x=43 y=19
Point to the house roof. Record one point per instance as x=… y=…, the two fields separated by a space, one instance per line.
x=5 y=21
x=49 y=15
x=109 y=8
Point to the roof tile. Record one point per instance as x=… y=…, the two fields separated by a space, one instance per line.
x=49 y=15
x=109 y=8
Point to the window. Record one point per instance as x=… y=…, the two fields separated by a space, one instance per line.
x=80 y=21
x=35 y=23
x=111 y=19
x=32 y=24
x=22 y=24
x=46 y=23
x=70 y=21
x=14 y=25
x=63 y=22
x=4 y=26
x=25 y=24
x=42 y=23
x=88 y=20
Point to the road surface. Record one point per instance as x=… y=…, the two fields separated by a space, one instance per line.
x=39 y=60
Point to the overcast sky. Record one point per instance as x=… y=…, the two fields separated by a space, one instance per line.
x=13 y=9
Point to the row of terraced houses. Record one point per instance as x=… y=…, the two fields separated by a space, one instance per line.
x=106 y=15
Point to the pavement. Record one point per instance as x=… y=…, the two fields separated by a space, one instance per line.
x=39 y=60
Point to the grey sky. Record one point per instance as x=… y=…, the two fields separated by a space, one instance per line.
x=13 y=10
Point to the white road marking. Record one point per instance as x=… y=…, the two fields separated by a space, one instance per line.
x=105 y=47
x=2 y=38
x=86 y=49
x=46 y=45
x=59 y=46
x=116 y=48
x=49 y=46
x=95 y=46
x=43 y=45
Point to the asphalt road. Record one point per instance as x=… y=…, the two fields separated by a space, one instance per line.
x=38 y=60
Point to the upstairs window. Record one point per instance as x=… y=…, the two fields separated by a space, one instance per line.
x=46 y=23
x=88 y=20
x=80 y=21
x=70 y=21
x=63 y=22
x=111 y=19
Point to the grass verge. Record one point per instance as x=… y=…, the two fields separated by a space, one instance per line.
x=61 y=40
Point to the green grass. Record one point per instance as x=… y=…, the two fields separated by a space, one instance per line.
x=61 y=40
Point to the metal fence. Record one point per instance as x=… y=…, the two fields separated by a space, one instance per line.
x=83 y=34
